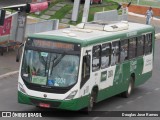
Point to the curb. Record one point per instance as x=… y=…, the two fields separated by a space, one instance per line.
x=8 y=74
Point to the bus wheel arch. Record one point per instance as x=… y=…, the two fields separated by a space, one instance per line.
x=95 y=92
x=130 y=88
x=92 y=99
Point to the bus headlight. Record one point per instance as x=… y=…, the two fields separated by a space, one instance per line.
x=71 y=95
x=21 y=89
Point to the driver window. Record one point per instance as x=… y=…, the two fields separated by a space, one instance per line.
x=85 y=69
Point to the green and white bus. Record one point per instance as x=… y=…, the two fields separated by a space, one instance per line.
x=73 y=68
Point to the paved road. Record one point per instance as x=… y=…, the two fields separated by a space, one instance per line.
x=154 y=22
x=145 y=98
x=7 y=62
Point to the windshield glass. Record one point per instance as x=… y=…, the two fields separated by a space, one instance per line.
x=50 y=69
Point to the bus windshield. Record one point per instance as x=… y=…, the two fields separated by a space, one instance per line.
x=49 y=68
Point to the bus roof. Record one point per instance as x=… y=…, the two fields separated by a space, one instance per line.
x=90 y=36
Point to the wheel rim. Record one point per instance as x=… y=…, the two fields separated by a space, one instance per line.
x=91 y=102
x=90 y=106
x=130 y=88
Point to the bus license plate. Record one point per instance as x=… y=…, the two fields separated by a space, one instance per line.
x=44 y=105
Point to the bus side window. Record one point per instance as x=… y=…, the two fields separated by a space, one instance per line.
x=96 y=58
x=124 y=50
x=105 y=55
x=132 y=47
x=140 y=45
x=85 y=69
x=148 y=44
x=115 y=53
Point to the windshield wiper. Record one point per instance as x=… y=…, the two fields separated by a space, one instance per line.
x=56 y=61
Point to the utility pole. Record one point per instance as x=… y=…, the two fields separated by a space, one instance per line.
x=86 y=11
x=75 y=10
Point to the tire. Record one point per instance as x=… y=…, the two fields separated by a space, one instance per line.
x=129 y=91
x=91 y=103
x=92 y=100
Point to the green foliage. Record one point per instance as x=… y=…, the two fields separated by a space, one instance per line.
x=62 y=12
x=107 y=5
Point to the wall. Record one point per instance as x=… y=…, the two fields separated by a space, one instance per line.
x=142 y=9
x=111 y=15
x=42 y=26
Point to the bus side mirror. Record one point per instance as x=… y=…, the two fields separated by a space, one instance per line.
x=2 y=16
x=18 y=54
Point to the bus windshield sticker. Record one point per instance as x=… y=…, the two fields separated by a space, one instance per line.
x=39 y=80
x=60 y=81
x=25 y=75
x=44 y=54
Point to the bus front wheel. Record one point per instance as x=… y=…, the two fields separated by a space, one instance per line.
x=91 y=102
x=128 y=92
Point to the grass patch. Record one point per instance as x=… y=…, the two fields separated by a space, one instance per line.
x=62 y=12
x=53 y=2
x=107 y=5
x=93 y=10
x=98 y=8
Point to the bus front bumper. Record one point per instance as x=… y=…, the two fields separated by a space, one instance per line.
x=74 y=104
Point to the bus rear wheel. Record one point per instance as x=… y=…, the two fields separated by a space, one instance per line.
x=129 y=91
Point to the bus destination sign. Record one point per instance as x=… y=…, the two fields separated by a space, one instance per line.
x=52 y=44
